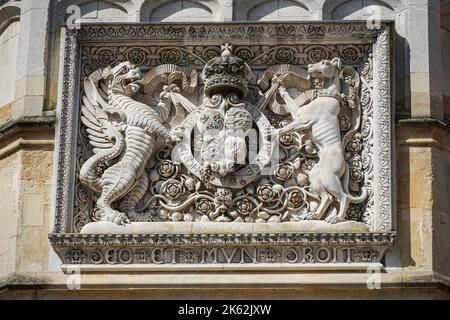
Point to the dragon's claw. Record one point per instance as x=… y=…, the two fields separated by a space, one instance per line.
x=333 y=219
x=117 y=217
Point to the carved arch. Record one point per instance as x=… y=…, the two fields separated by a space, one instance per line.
x=9 y=13
x=243 y=9
x=330 y=6
x=125 y=6
x=149 y=7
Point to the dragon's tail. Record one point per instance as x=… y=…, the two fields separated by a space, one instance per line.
x=120 y=178
x=88 y=172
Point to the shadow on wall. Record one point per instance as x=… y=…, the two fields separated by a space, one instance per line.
x=96 y=11
x=402 y=55
x=278 y=10
x=404 y=218
x=445 y=35
x=178 y=10
x=358 y=9
x=9 y=43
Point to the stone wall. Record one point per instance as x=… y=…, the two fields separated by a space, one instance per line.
x=9 y=173
x=445 y=29
x=28 y=100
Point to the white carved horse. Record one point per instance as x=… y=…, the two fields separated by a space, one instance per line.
x=319 y=119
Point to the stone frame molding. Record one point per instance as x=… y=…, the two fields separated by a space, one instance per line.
x=271 y=249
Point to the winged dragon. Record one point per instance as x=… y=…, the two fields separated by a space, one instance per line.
x=126 y=125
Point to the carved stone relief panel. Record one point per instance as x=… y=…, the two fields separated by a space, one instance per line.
x=188 y=142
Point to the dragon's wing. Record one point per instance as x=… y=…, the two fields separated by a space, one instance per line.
x=98 y=127
x=169 y=74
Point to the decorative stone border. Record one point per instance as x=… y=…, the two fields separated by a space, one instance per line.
x=230 y=32
x=300 y=248
x=82 y=249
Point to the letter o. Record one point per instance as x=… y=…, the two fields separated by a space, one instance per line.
x=327 y=257
x=289 y=252
x=125 y=256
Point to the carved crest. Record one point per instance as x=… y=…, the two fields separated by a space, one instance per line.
x=158 y=156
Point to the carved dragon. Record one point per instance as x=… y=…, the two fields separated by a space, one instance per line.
x=124 y=133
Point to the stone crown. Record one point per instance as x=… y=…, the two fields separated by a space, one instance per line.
x=226 y=74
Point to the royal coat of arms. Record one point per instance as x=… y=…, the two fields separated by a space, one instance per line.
x=292 y=155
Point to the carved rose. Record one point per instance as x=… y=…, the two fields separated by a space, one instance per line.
x=166 y=168
x=136 y=56
x=268 y=193
x=210 y=53
x=355 y=161
x=204 y=206
x=354 y=146
x=244 y=54
x=350 y=55
x=344 y=123
x=287 y=139
x=106 y=56
x=317 y=54
x=353 y=213
x=296 y=199
x=244 y=207
x=170 y=56
x=356 y=175
x=284 y=55
x=284 y=172
x=172 y=189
